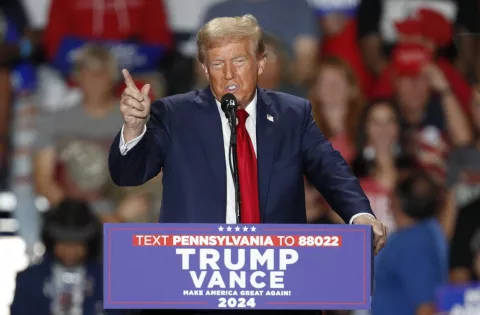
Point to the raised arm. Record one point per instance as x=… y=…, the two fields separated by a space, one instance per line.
x=139 y=149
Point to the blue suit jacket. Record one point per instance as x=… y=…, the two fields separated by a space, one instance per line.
x=31 y=295
x=184 y=139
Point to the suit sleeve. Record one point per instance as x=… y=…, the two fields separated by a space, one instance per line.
x=329 y=173
x=146 y=159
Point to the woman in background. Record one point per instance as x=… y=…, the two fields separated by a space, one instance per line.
x=380 y=161
x=69 y=280
x=336 y=102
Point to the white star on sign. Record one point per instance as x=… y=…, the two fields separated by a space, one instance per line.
x=253 y=228
x=245 y=229
x=229 y=228
x=237 y=229
x=220 y=228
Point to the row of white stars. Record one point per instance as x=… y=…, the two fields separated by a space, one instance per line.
x=237 y=229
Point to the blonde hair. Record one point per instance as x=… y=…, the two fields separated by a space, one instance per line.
x=94 y=55
x=223 y=30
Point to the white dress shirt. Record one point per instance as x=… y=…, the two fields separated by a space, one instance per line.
x=250 y=124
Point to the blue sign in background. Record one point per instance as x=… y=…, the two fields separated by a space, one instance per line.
x=151 y=277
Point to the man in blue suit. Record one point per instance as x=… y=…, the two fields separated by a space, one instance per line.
x=187 y=137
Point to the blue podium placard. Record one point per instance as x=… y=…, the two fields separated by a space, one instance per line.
x=459 y=299
x=221 y=266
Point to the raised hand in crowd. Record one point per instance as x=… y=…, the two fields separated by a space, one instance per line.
x=457 y=122
x=436 y=78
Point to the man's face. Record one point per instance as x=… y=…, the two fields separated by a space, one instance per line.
x=234 y=68
x=70 y=253
x=413 y=91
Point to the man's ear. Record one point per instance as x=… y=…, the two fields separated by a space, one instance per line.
x=205 y=70
x=262 y=63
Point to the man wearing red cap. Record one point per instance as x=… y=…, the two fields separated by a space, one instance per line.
x=433 y=119
x=433 y=31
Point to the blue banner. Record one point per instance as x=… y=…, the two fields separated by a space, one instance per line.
x=459 y=300
x=220 y=266
x=130 y=55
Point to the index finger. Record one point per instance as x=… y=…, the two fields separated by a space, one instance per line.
x=128 y=79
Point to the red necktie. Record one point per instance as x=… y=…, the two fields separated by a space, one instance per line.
x=247 y=172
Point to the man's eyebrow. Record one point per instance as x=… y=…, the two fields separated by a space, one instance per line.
x=240 y=56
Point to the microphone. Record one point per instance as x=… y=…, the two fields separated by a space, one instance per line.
x=229 y=107
x=229 y=104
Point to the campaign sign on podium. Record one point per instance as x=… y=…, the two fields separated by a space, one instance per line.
x=221 y=266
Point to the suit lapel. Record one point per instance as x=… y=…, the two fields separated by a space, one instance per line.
x=209 y=126
x=267 y=124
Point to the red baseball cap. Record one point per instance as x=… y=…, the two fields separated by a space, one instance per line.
x=435 y=26
x=409 y=59
x=409 y=26
x=428 y=23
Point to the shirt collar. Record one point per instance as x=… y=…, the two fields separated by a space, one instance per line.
x=251 y=107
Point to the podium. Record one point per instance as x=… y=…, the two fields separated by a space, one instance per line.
x=237 y=267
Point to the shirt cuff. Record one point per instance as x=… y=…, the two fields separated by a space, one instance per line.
x=359 y=214
x=125 y=147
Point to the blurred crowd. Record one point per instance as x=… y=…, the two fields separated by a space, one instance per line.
x=394 y=85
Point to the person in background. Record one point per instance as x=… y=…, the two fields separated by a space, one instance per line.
x=415 y=260
x=69 y=278
x=380 y=162
x=336 y=104
x=72 y=144
x=463 y=177
x=276 y=75
x=19 y=45
x=432 y=118
x=434 y=31
x=291 y=21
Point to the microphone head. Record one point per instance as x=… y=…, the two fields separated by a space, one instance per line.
x=228 y=102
